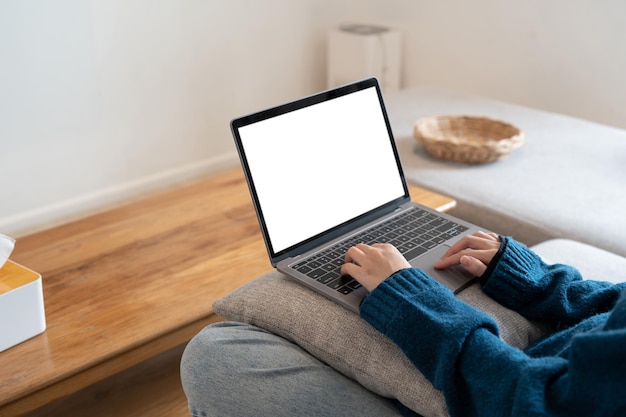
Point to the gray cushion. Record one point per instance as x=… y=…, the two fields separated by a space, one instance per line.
x=567 y=181
x=342 y=339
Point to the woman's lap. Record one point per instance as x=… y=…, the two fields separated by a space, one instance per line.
x=241 y=370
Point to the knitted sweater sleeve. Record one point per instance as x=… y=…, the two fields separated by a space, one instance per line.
x=518 y=279
x=457 y=348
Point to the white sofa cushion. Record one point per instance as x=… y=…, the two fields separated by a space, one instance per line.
x=567 y=181
x=593 y=263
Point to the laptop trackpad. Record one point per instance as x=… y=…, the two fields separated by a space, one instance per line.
x=454 y=277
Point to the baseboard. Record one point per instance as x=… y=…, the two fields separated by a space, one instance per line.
x=80 y=206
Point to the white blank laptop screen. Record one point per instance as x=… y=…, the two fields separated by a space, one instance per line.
x=318 y=167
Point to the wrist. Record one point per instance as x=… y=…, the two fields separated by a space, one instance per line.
x=510 y=273
x=504 y=241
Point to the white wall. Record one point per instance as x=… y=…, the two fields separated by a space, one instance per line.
x=567 y=56
x=103 y=99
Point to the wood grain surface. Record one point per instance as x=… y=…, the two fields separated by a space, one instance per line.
x=133 y=282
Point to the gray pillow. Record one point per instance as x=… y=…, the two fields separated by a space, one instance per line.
x=346 y=342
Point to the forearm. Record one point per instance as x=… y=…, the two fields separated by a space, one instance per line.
x=457 y=348
x=495 y=379
x=520 y=280
x=502 y=381
x=425 y=320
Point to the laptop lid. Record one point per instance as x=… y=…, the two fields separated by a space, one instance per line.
x=320 y=166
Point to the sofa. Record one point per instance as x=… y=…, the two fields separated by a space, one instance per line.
x=560 y=194
x=568 y=180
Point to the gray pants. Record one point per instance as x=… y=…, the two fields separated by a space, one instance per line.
x=234 y=369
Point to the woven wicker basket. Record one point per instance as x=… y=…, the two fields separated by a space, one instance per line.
x=468 y=139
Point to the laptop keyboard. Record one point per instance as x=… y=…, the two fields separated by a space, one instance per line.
x=413 y=232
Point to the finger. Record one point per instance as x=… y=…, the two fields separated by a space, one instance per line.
x=354 y=253
x=360 y=274
x=473 y=266
x=453 y=259
x=458 y=246
x=365 y=248
x=383 y=245
x=349 y=269
x=462 y=244
x=484 y=256
x=473 y=241
x=494 y=236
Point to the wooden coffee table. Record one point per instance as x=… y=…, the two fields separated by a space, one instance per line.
x=134 y=281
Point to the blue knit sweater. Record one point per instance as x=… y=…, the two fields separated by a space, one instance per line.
x=580 y=370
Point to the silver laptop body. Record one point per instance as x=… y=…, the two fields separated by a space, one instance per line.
x=324 y=173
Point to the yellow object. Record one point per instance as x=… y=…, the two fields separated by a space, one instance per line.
x=22 y=314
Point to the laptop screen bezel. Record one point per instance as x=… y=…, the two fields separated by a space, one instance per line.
x=334 y=232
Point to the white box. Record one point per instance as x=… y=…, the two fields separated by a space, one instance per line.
x=22 y=314
x=357 y=51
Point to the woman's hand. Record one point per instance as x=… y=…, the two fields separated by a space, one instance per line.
x=370 y=265
x=473 y=251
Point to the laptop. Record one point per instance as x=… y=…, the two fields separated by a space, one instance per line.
x=324 y=174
